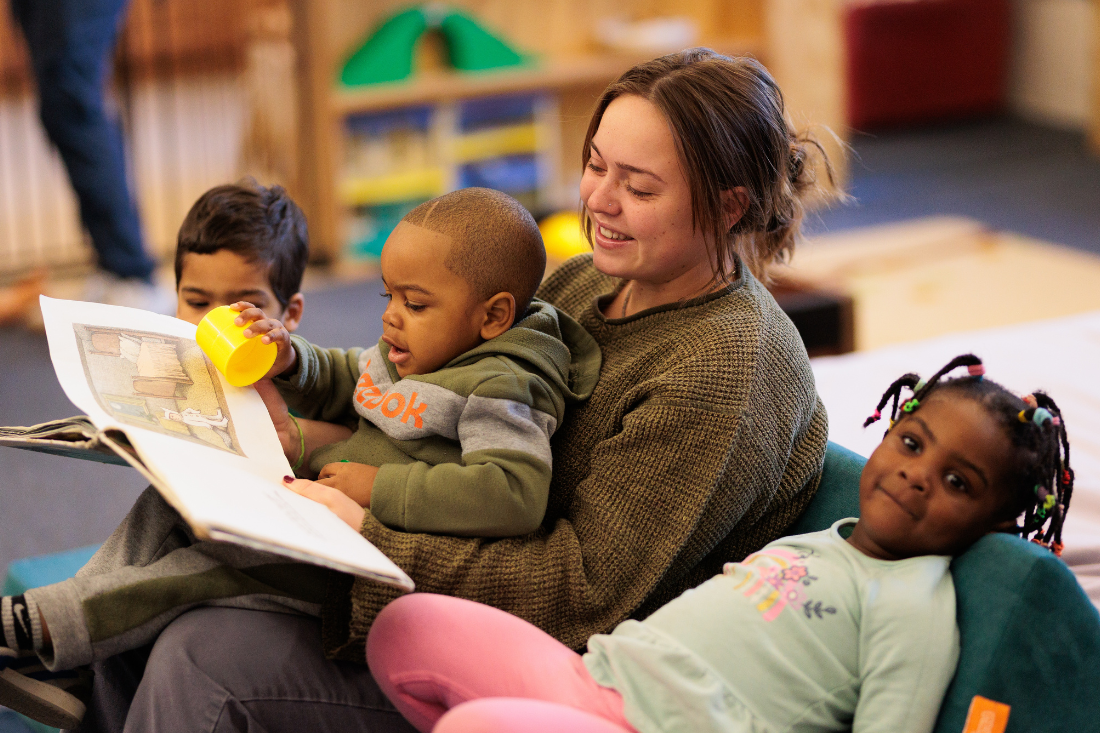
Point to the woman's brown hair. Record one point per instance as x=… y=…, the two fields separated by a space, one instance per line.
x=731 y=129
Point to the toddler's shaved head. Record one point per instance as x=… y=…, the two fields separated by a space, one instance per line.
x=496 y=245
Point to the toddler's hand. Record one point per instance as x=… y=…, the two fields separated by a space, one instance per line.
x=337 y=502
x=270 y=331
x=354 y=479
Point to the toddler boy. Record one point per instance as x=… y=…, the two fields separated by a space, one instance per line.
x=454 y=407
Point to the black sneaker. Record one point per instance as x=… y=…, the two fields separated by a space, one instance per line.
x=52 y=698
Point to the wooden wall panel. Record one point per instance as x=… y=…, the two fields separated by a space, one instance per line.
x=160 y=39
x=167 y=38
x=805 y=53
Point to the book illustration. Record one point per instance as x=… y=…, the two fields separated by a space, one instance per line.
x=158 y=382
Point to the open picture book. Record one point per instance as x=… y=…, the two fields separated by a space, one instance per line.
x=152 y=400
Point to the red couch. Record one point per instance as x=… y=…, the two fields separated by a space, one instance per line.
x=913 y=61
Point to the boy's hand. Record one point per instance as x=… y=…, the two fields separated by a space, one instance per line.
x=270 y=331
x=354 y=479
x=339 y=503
x=280 y=418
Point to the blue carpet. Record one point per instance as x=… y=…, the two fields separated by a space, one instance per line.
x=1010 y=174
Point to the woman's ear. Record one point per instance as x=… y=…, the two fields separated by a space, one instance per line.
x=500 y=314
x=735 y=202
x=292 y=314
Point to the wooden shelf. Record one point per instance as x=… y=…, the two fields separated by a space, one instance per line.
x=434 y=87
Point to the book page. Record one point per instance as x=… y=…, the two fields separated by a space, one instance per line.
x=211 y=446
x=143 y=373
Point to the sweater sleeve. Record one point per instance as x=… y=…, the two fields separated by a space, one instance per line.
x=323 y=386
x=498 y=490
x=580 y=575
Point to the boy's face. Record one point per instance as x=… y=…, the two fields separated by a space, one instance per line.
x=932 y=487
x=223 y=278
x=432 y=315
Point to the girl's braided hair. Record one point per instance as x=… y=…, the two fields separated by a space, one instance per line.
x=1039 y=480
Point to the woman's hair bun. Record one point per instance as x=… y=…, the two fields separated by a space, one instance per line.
x=797 y=162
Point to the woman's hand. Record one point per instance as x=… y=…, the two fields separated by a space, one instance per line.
x=338 y=502
x=270 y=331
x=354 y=479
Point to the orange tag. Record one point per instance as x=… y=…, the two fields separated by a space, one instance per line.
x=986 y=716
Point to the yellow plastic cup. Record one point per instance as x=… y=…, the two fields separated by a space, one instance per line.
x=243 y=361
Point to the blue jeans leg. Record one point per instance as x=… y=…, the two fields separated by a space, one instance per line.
x=70 y=43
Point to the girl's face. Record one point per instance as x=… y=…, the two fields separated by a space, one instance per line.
x=934 y=484
x=638 y=198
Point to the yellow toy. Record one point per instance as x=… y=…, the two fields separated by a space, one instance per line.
x=242 y=360
x=562 y=235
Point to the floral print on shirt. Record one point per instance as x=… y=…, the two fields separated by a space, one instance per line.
x=775 y=579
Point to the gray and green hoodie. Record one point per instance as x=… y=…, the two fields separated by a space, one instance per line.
x=464 y=450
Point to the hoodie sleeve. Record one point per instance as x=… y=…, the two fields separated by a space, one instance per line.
x=323 y=386
x=500 y=488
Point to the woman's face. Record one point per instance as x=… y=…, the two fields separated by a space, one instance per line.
x=638 y=198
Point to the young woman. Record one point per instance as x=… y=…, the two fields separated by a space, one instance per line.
x=701 y=443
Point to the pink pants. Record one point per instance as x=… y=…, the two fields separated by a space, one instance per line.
x=432 y=653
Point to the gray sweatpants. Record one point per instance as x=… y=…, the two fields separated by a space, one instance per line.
x=151 y=570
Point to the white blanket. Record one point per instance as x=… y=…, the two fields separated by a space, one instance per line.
x=1060 y=356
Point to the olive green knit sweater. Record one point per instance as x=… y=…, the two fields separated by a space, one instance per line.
x=702 y=442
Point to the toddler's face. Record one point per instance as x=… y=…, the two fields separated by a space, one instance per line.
x=223 y=278
x=432 y=315
x=932 y=487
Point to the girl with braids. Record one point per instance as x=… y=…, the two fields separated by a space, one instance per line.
x=848 y=628
x=1039 y=480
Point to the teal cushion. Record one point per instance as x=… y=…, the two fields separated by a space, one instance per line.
x=1030 y=637
x=837 y=495
x=35 y=572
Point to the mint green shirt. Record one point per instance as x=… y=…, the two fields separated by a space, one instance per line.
x=808 y=634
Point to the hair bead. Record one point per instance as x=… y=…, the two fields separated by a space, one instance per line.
x=1041 y=416
x=1030 y=401
x=976 y=370
x=1022 y=417
x=910 y=405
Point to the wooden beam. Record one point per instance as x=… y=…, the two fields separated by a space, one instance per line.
x=315 y=187
x=804 y=42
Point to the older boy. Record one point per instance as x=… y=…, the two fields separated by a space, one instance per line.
x=238 y=241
